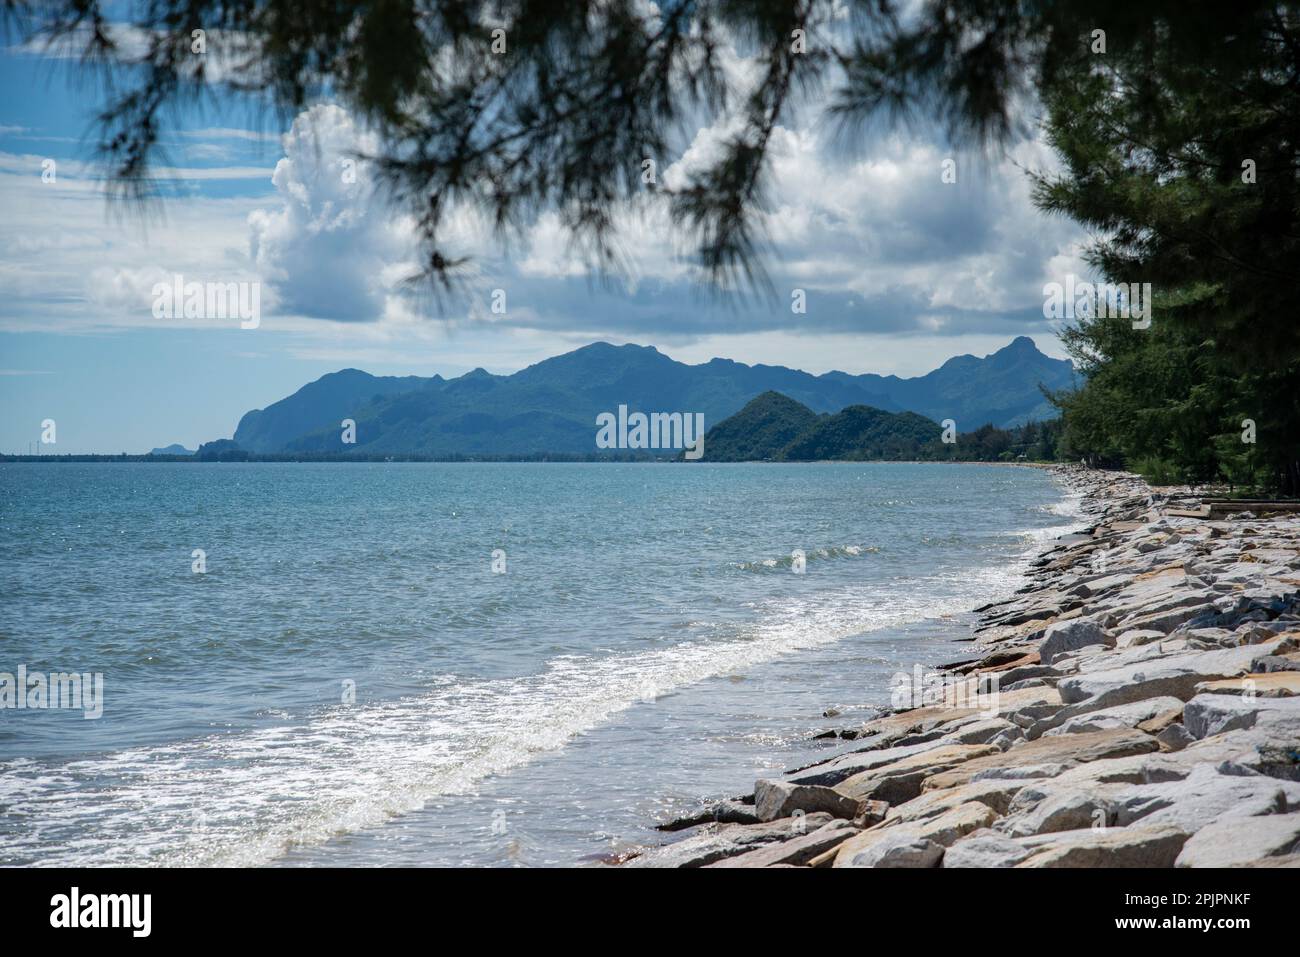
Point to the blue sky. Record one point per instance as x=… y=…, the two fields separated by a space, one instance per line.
x=901 y=270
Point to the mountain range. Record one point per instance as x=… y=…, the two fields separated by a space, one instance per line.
x=551 y=407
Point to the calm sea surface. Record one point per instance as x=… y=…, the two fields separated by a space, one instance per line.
x=352 y=682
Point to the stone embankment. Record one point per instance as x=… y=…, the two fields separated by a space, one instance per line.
x=1136 y=704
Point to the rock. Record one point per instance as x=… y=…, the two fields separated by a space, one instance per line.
x=1137 y=637
x=996 y=795
x=1155 y=846
x=898 y=850
x=914 y=844
x=1007 y=737
x=835 y=769
x=1242 y=840
x=1174 y=676
x=1205 y=795
x=1131 y=715
x=1210 y=714
x=1167 y=621
x=798 y=851
x=901 y=780
x=981 y=732
x=870 y=813
x=1174 y=738
x=1068 y=810
x=727 y=840
x=1277 y=684
x=1163 y=720
x=778 y=799
x=985 y=848
x=1067 y=750
x=719 y=812
x=1274 y=663
x=1070 y=636
x=1014 y=676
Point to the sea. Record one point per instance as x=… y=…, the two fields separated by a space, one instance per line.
x=479 y=664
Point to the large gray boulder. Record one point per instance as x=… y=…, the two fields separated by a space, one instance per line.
x=985 y=848
x=778 y=799
x=1068 y=810
x=1066 y=636
x=1153 y=846
x=1211 y=714
x=1242 y=840
x=1206 y=795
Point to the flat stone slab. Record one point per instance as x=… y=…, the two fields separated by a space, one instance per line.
x=1131 y=715
x=797 y=851
x=728 y=840
x=1153 y=846
x=1210 y=714
x=1242 y=841
x=1272 y=684
x=1064 y=750
x=1174 y=676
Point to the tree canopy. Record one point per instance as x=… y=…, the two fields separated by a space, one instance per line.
x=519 y=106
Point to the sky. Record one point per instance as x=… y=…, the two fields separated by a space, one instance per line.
x=900 y=269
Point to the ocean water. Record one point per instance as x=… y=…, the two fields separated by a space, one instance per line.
x=357 y=679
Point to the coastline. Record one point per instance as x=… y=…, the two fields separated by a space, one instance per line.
x=1135 y=703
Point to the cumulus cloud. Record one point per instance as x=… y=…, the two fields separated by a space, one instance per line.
x=331 y=250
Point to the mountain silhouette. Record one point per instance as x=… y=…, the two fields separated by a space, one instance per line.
x=552 y=406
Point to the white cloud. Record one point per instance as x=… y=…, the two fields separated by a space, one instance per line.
x=332 y=249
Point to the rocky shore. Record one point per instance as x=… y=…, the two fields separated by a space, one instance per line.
x=1136 y=704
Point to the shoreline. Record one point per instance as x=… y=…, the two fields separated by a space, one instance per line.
x=1135 y=703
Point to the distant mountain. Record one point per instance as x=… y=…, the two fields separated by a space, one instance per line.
x=861 y=432
x=774 y=428
x=1001 y=389
x=174 y=449
x=760 y=431
x=551 y=407
x=329 y=399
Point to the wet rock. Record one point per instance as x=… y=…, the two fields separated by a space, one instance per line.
x=719 y=812
x=778 y=799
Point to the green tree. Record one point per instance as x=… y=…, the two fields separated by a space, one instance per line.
x=1189 y=174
